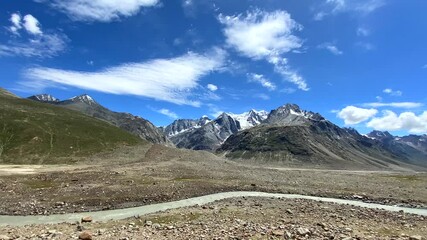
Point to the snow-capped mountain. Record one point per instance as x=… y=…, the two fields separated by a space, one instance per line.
x=84 y=98
x=46 y=98
x=291 y=115
x=182 y=125
x=250 y=119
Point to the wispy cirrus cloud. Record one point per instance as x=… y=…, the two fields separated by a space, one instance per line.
x=392 y=92
x=333 y=7
x=259 y=78
x=331 y=48
x=173 y=80
x=99 y=10
x=167 y=113
x=394 y=104
x=262 y=35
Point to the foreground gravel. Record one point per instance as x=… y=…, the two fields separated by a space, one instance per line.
x=242 y=218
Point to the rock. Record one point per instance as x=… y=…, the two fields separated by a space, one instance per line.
x=4 y=237
x=415 y=237
x=278 y=233
x=148 y=223
x=289 y=211
x=85 y=236
x=303 y=231
x=87 y=219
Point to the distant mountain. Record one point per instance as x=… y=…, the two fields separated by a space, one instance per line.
x=37 y=133
x=292 y=135
x=412 y=148
x=133 y=124
x=250 y=119
x=46 y=98
x=206 y=134
x=182 y=125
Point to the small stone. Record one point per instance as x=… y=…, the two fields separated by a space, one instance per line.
x=289 y=211
x=415 y=237
x=278 y=233
x=148 y=223
x=303 y=231
x=87 y=219
x=80 y=228
x=85 y=236
x=4 y=237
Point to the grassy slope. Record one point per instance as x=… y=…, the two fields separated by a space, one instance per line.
x=32 y=132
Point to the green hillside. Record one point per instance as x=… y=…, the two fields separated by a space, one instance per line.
x=34 y=133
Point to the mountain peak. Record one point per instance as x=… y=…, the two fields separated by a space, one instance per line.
x=84 y=98
x=47 y=98
x=380 y=135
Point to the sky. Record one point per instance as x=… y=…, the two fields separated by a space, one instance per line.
x=359 y=63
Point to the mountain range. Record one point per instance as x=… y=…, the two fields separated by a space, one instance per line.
x=286 y=134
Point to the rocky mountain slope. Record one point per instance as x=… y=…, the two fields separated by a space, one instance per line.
x=133 y=124
x=413 y=148
x=206 y=134
x=290 y=134
x=33 y=132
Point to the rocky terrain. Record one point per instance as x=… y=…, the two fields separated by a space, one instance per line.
x=242 y=218
x=154 y=174
x=135 y=125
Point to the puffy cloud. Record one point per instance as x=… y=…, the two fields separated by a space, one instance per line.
x=38 y=44
x=265 y=35
x=331 y=48
x=212 y=87
x=354 y=115
x=406 y=121
x=100 y=10
x=394 y=104
x=172 y=80
x=259 y=78
x=32 y=25
x=168 y=113
x=15 y=19
x=392 y=93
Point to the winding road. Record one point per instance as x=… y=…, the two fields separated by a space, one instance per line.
x=118 y=214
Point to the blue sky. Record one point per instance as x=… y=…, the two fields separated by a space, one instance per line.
x=360 y=63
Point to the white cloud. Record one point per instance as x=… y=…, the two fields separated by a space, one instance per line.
x=101 y=10
x=406 y=121
x=354 y=115
x=262 y=96
x=331 y=48
x=265 y=35
x=172 y=80
x=361 y=31
x=394 y=104
x=392 y=93
x=212 y=87
x=39 y=44
x=259 y=78
x=32 y=25
x=168 y=113
x=332 y=7
x=15 y=18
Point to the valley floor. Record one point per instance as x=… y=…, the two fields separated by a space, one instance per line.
x=157 y=174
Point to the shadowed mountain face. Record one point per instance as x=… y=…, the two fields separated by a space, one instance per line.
x=290 y=134
x=133 y=124
x=36 y=133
